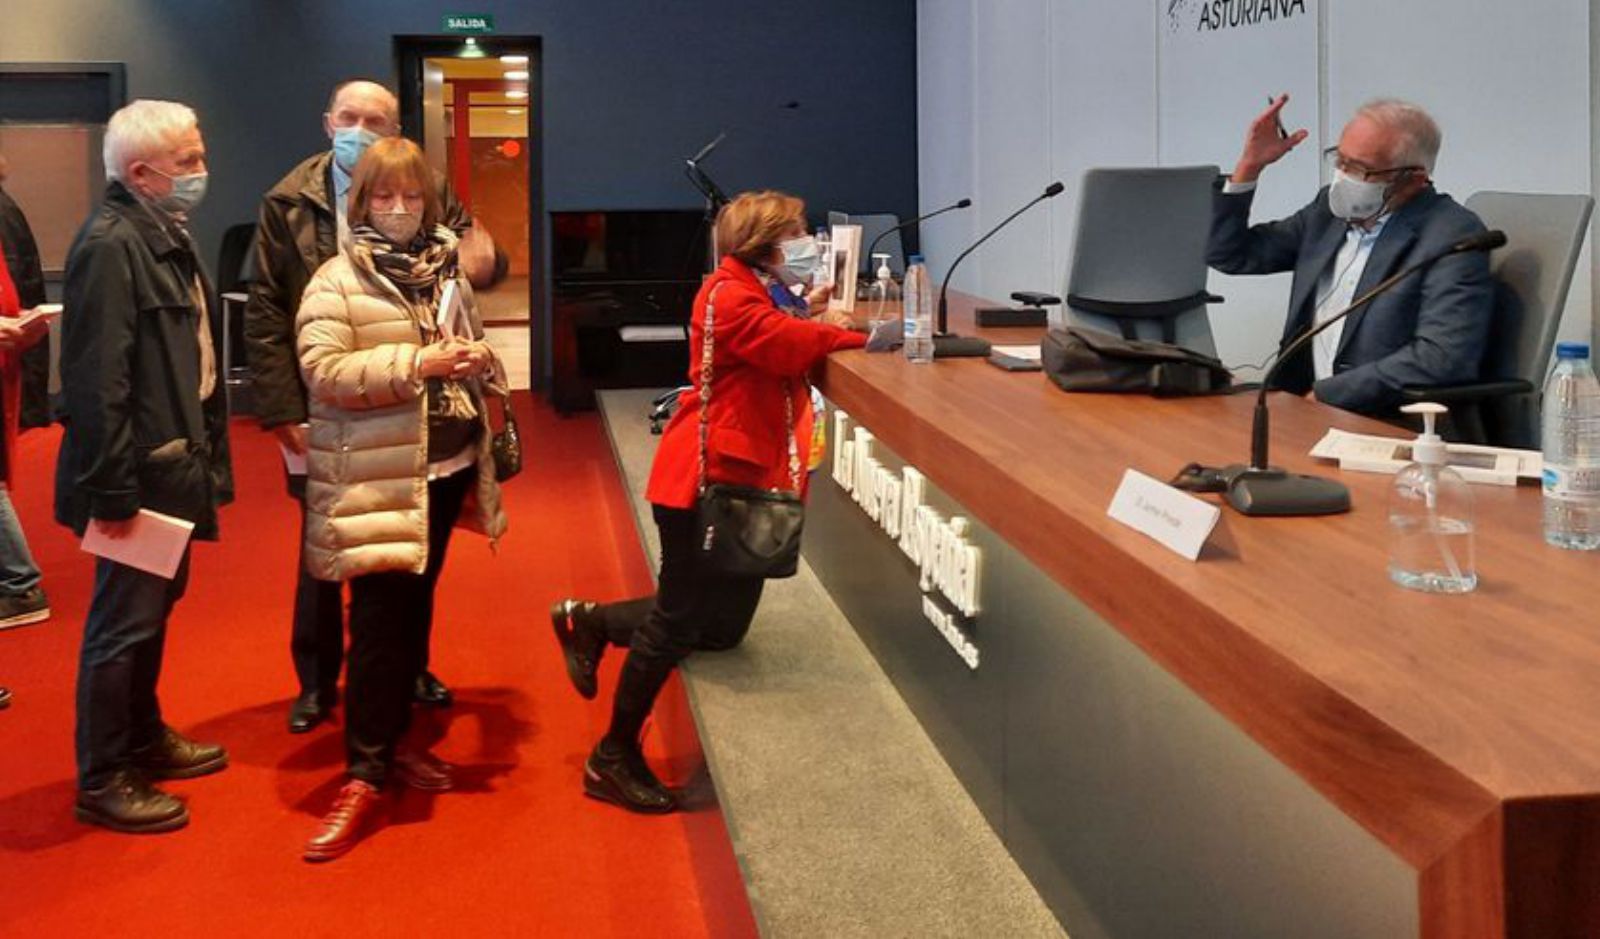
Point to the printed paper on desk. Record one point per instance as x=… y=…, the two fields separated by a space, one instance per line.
x=154 y=545
x=1171 y=516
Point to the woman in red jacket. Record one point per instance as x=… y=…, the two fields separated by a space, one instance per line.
x=763 y=345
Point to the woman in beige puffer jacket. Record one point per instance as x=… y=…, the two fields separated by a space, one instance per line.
x=398 y=455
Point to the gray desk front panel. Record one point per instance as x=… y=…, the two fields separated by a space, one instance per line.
x=1136 y=809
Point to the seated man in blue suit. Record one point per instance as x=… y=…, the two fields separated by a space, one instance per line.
x=1380 y=214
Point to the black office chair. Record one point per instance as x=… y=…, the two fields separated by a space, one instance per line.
x=1533 y=272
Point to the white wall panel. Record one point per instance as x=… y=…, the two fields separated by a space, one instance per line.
x=945 y=128
x=1011 y=72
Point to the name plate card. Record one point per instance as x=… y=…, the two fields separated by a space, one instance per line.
x=1171 y=516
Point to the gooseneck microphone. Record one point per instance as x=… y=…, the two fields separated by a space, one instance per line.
x=1261 y=489
x=945 y=343
x=921 y=218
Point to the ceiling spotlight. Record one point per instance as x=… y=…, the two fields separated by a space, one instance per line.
x=513 y=60
x=471 y=50
x=516 y=75
x=516 y=93
x=515 y=111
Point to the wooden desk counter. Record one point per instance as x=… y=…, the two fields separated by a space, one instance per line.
x=1462 y=731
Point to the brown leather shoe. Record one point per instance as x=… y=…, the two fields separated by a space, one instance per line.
x=342 y=827
x=174 y=756
x=420 y=769
x=128 y=803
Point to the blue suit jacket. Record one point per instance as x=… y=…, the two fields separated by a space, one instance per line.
x=1430 y=329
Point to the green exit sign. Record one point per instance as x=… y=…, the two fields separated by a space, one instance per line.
x=468 y=23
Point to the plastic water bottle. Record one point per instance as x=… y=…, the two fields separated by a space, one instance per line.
x=824 y=275
x=1572 y=451
x=1430 y=517
x=918 y=312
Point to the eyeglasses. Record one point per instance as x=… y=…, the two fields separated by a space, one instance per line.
x=1355 y=169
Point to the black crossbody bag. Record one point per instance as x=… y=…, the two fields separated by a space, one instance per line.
x=746 y=531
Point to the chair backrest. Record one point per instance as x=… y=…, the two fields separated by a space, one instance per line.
x=1533 y=272
x=235 y=256
x=1141 y=238
x=873 y=225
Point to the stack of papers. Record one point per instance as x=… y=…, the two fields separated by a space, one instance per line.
x=1365 y=453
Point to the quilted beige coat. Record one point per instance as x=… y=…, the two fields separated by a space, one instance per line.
x=367 y=462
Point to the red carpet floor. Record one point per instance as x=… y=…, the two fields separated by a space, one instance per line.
x=515 y=850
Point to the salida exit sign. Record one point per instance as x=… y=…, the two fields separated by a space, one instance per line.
x=468 y=23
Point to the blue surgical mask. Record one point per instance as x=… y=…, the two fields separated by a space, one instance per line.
x=800 y=258
x=187 y=191
x=348 y=145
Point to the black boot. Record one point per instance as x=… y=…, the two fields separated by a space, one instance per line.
x=583 y=642
x=128 y=803
x=619 y=775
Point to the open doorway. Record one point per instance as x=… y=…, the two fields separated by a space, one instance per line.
x=475 y=106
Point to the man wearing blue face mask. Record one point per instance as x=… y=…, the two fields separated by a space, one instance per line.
x=1379 y=215
x=146 y=428
x=301 y=224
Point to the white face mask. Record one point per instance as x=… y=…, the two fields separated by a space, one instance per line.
x=800 y=259
x=1355 y=200
x=399 y=226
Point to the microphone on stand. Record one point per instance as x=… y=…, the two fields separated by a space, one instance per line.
x=948 y=345
x=1263 y=489
x=921 y=218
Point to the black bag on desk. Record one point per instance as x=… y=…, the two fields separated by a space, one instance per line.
x=1081 y=359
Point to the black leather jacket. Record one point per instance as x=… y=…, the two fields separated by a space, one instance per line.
x=137 y=434
x=297 y=233
x=22 y=260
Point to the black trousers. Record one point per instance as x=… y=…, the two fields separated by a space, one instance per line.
x=693 y=609
x=316 y=639
x=119 y=665
x=390 y=612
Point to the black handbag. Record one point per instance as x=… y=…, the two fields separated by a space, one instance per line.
x=1081 y=359
x=506 y=444
x=746 y=531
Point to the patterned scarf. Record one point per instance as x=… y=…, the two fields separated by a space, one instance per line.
x=418 y=273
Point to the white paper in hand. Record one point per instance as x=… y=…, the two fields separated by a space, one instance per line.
x=154 y=545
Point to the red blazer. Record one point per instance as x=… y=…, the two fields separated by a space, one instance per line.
x=758 y=351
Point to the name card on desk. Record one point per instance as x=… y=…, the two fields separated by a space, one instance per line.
x=1170 y=516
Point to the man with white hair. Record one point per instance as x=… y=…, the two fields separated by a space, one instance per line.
x=1380 y=215
x=145 y=428
x=301 y=225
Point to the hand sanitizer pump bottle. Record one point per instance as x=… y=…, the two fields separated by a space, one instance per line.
x=885 y=301
x=1430 y=517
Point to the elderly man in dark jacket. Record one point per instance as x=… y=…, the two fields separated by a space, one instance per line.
x=301 y=224
x=146 y=428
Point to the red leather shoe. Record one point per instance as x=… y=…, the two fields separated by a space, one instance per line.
x=420 y=769
x=342 y=827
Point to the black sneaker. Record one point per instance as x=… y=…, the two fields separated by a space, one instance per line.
x=23 y=608
x=128 y=803
x=582 y=642
x=625 y=779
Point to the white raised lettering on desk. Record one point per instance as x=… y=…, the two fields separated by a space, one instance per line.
x=947 y=562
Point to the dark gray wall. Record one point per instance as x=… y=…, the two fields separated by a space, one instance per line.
x=631 y=88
